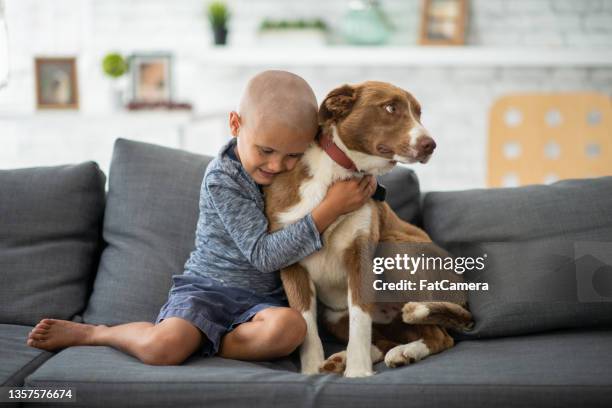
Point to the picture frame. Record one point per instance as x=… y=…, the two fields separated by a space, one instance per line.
x=443 y=22
x=151 y=78
x=56 y=83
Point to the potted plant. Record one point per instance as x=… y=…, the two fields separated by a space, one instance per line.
x=115 y=66
x=218 y=15
x=297 y=32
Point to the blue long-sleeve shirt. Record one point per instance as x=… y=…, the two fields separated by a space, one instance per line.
x=232 y=242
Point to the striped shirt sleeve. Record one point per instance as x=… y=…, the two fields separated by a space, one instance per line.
x=247 y=225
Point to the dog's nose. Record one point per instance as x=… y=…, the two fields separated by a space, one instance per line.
x=426 y=145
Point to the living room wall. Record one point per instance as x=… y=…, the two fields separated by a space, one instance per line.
x=456 y=97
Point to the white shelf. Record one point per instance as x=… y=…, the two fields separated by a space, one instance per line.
x=467 y=56
x=158 y=117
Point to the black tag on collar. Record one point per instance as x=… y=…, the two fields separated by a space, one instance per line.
x=381 y=193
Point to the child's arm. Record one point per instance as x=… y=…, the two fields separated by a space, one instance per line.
x=248 y=225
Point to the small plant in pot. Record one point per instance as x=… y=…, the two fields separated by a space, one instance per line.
x=115 y=66
x=219 y=15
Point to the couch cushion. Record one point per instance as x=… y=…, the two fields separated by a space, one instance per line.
x=560 y=369
x=149 y=228
x=150 y=222
x=545 y=245
x=50 y=239
x=17 y=359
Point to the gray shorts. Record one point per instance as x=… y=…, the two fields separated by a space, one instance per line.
x=215 y=310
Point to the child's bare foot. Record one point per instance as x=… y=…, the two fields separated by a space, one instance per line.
x=53 y=334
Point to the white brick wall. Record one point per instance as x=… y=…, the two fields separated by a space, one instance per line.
x=456 y=101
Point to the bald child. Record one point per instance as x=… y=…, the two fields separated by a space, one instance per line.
x=229 y=300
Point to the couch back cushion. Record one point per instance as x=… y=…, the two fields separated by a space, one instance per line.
x=149 y=226
x=403 y=193
x=50 y=240
x=548 y=253
x=149 y=229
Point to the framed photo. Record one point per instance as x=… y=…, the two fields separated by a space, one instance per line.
x=151 y=78
x=443 y=22
x=56 y=83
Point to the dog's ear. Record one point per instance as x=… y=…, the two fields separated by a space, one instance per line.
x=337 y=104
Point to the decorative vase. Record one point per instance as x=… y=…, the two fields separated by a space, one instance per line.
x=365 y=24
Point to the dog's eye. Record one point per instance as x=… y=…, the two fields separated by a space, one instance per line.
x=390 y=108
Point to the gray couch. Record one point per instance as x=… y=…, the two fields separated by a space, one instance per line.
x=68 y=250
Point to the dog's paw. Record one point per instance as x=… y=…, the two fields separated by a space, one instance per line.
x=311 y=367
x=446 y=314
x=358 y=373
x=335 y=364
x=311 y=355
x=310 y=370
x=414 y=312
x=358 y=367
x=463 y=319
x=311 y=363
x=405 y=354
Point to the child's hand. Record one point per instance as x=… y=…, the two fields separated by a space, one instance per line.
x=349 y=195
x=343 y=197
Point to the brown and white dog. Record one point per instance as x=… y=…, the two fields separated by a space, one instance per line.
x=366 y=128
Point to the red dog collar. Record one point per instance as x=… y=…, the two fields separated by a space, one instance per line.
x=335 y=153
